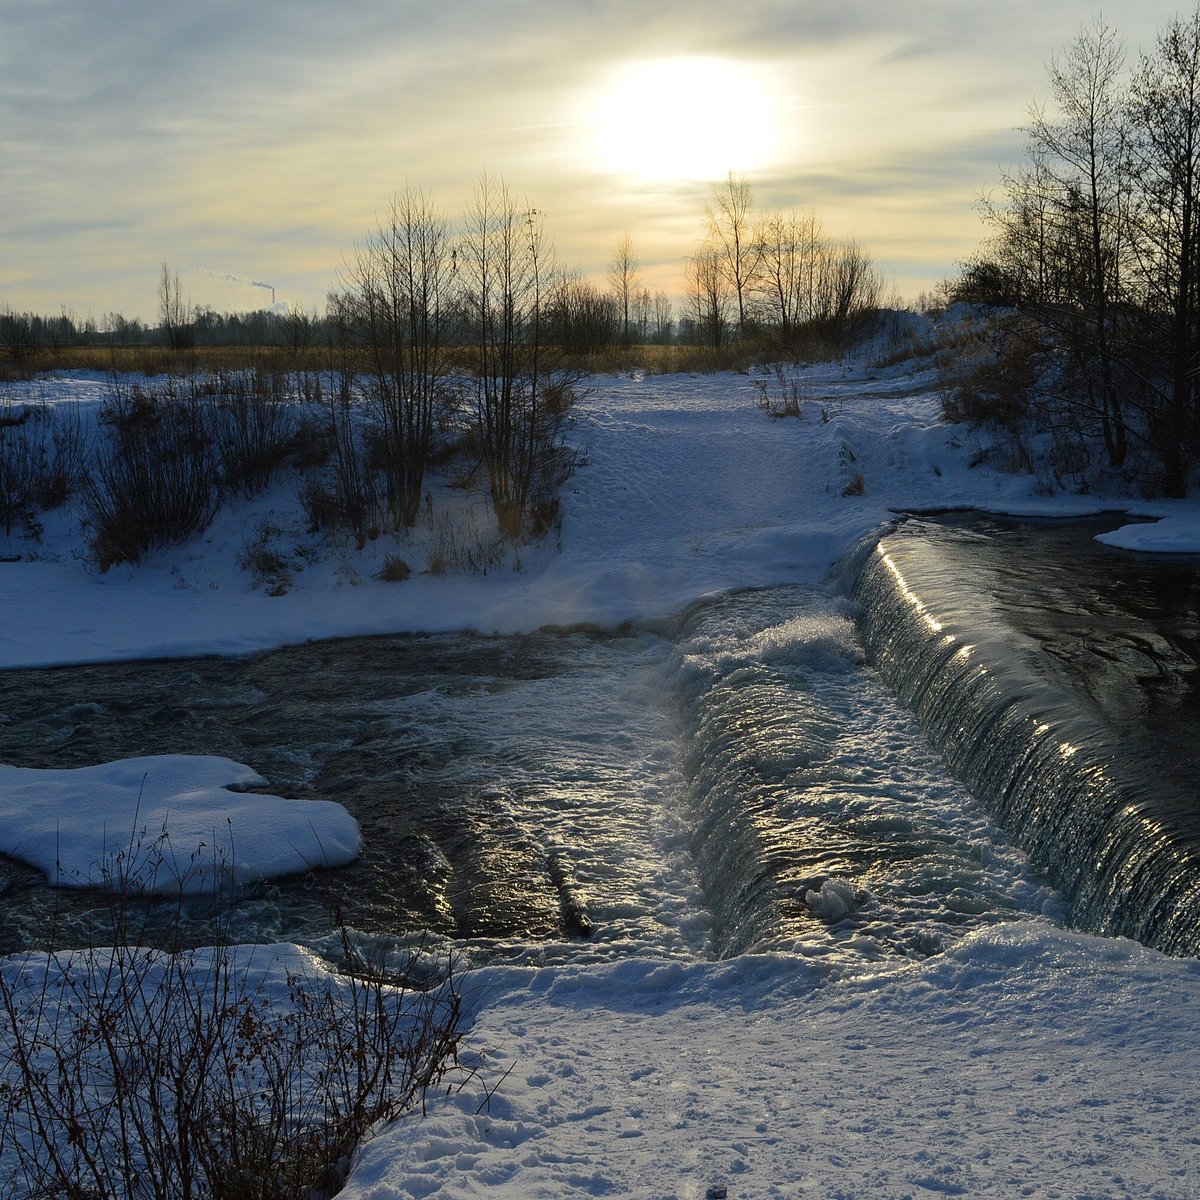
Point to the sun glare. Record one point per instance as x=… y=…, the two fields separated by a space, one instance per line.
x=683 y=118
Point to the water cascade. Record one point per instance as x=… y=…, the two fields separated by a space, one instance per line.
x=737 y=780
x=1102 y=810
x=821 y=822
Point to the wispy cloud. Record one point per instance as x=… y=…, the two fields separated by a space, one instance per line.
x=270 y=134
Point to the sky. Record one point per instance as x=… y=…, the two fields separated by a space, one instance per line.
x=253 y=144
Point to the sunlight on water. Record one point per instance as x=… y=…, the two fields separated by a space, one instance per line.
x=514 y=794
x=1075 y=718
x=823 y=824
x=909 y=595
x=746 y=783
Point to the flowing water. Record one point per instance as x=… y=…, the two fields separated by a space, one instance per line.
x=1058 y=677
x=505 y=787
x=741 y=780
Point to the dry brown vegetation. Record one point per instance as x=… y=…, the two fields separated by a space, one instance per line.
x=158 y=360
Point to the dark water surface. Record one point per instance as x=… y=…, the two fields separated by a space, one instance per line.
x=469 y=762
x=1059 y=677
x=1120 y=629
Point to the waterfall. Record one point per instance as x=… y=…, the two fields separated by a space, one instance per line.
x=1122 y=843
x=821 y=822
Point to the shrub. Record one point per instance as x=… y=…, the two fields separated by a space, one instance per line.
x=155 y=479
x=346 y=496
x=267 y=567
x=394 y=570
x=16 y=470
x=148 y=1075
x=154 y=1073
x=311 y=443
x=42 y=453
x=253 y=427
x=467 y=544
x=341 y=501
x=62 y=456
x=545 y=513
x=993 y=375
x=784 y=399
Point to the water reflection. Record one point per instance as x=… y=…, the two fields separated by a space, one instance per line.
x=492 y=777
x=1079 y=723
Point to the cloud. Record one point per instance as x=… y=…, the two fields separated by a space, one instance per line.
x=136 y=131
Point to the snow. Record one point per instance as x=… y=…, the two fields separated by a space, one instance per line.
x=1176 y=533
x=688 y=488
x=1023 y=1060
x=165 y=824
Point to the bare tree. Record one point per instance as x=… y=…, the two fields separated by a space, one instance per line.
x=398 y=289
x=586 y=319
x=624 y=278
x=731 y=241
x=1078 y=185
x=1098 y=243
x=709 y=297
x=174 y=312
x=519 y=389
x=21 y=337
x=300 y=329
x=663 y=319
x=791 y=247
x=1165 y=112
x=1062 y=252
x=642 y=309
x=849 y=289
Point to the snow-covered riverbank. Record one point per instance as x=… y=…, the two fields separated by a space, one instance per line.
x=687 y=488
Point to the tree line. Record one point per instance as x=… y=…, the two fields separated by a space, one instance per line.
x=776 y=277
x=441 y=340
x=26 y=336
x=1095 y=246
x=774 y=280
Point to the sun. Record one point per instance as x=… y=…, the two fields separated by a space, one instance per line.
x=691 y=118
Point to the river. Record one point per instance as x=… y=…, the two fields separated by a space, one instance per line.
x=743 y=778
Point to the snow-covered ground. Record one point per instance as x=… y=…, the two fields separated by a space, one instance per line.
x=1022 y=1062
x=1025 y=1060
x=688 y=488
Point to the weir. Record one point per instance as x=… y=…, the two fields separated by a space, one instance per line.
x=821 y=822
x=1113 y=824
x=741 y=781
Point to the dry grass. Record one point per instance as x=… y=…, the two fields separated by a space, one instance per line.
x=159 y=360
x=671 y=360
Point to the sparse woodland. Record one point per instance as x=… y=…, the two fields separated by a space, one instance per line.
x=447 y=349
x=1092 y=274
x=776 y=280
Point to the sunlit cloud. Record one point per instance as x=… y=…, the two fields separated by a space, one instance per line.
x=270 y=137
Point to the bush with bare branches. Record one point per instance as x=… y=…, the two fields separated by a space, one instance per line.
x=155 y=479
x=141 y=1074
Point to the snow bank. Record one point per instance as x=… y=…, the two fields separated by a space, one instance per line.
x=164 y=824
x=688 y=488
x=1175 y=534
x=1025 y=1061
